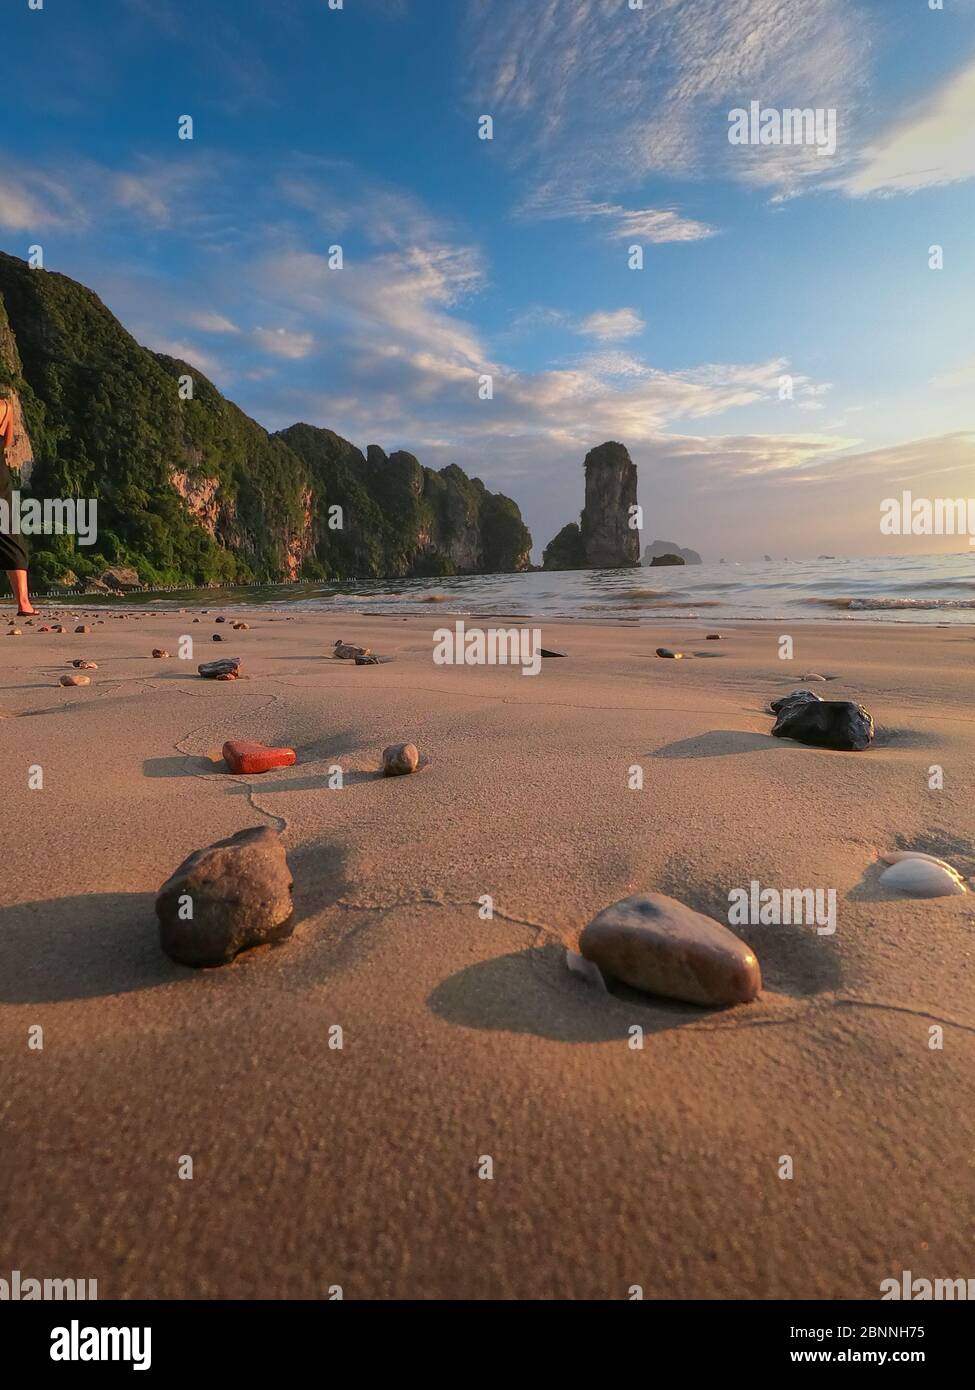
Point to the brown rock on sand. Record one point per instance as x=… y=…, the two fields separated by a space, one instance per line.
x=82 y=627
x=74 y=680
x=239 y=893
x=400 y=759
x=660 y=945
x=347 y=651
x=159 y=651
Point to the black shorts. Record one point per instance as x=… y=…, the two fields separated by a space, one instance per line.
x=13 y=556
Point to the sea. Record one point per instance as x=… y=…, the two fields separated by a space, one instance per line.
x=933 y=589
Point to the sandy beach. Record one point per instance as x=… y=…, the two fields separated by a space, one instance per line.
x=614 y=1166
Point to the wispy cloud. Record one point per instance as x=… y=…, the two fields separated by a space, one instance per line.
x=602 y=96
x=611 y=325
x=33 y=201
x=549 y=202
x=283 y=342
x=933 y=146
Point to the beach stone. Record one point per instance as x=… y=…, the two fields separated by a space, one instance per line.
x=220 y=620
x=228 y=666
x=57 y=629
x=657 y=944
x=399 y=759
x=227 y=676
x=346 y=651
x=69 y=679
x=241 y=756
x=675 y=656
x=15 y=632
x=158 y=651
x=196 y=620
x=797 y=697
x=240 y=892
x=367 y=661
x=80 y=664
x=44 y=629
x=242 y=627
x=713 y=637
x=216 y=637
x=923 y=878
x=82 y=627
x=839 y=724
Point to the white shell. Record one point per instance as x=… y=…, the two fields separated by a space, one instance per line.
x=920 y=878
x=588 y=969
x=896 y=856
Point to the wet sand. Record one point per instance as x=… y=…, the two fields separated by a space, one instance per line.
x=614 y=1166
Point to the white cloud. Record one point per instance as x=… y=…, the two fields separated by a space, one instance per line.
x=32 y=201
x=611 y=325
x=282 y=342
x=188 y=352
x=932 y=147
x=212 y=322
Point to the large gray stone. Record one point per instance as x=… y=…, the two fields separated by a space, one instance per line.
x=239 y=892
x=657 y=944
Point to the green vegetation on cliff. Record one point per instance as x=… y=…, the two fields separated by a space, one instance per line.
x=192 y=491
x=565 y=551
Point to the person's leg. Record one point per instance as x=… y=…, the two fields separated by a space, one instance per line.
x=18 y=583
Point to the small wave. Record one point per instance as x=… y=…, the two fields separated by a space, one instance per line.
x=643 y=593
x=878 y=604
x=912 y=603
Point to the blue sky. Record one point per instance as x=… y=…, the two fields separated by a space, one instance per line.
x=359 y=127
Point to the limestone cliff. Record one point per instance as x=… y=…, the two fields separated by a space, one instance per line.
x=605 y=537
x=191 y=490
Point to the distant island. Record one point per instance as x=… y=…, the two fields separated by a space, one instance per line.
x=657 y=549
x=193 y=491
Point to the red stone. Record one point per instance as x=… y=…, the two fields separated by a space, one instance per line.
x=241 y=756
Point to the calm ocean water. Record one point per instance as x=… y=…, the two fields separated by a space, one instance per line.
x=920 y=589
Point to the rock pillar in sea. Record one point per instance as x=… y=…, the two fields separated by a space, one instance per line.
x=607 y=535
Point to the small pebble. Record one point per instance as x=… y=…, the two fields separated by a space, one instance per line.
x=400 y=759
x=713 y=637
x=80 y=664
x=242 y=627
x=15 y=632
x=347 y=651
x=675 y=656
x=216 y=637
x=220 y=620
x=82 y=628
x=158 y=651
x=74 y=680
x=241 y=756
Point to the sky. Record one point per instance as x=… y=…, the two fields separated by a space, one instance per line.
x=785 y=359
